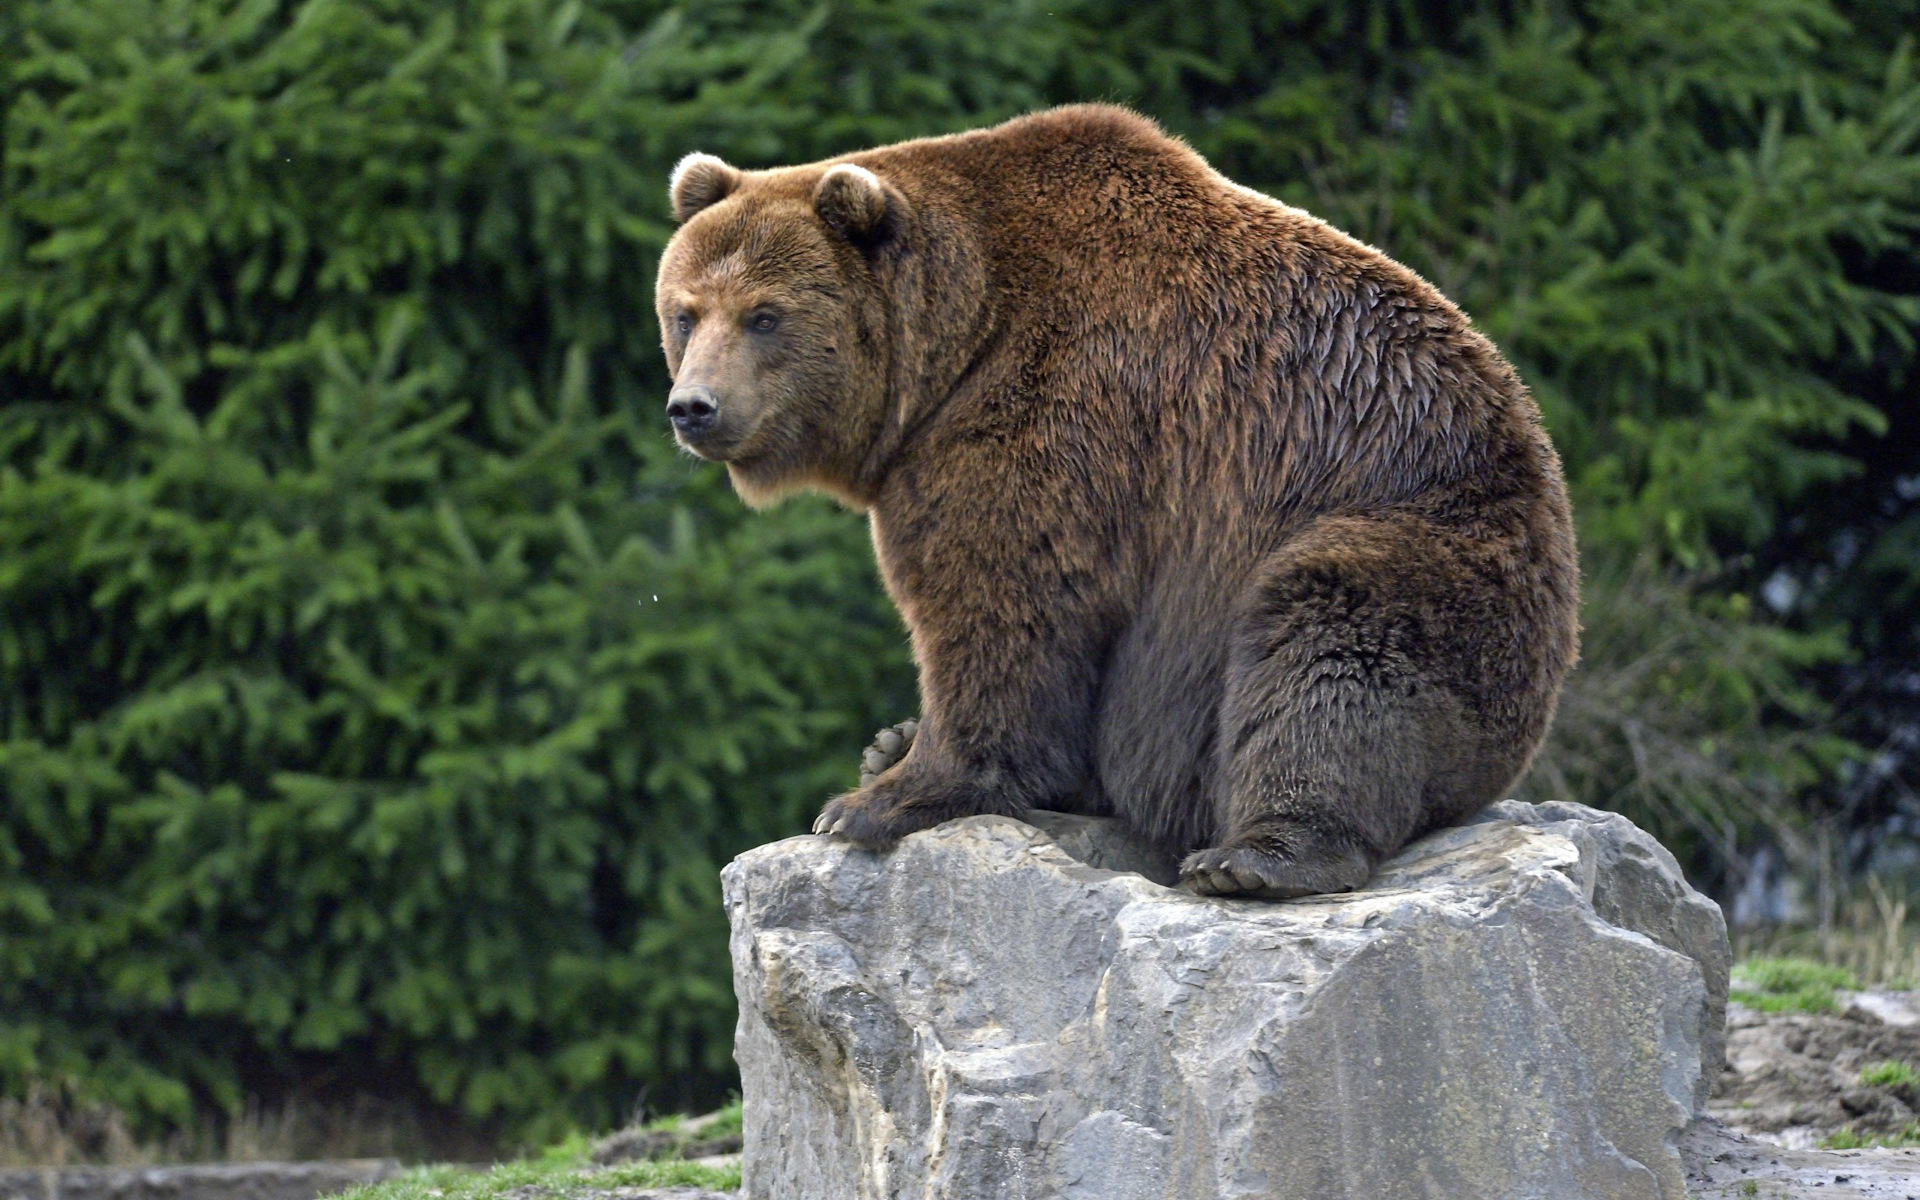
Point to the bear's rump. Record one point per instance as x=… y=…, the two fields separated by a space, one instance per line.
x=1158 y=759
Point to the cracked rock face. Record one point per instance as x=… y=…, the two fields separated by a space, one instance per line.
x=1526 y=1006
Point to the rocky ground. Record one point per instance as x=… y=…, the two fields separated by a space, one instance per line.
x=1798 y=1084
x=1804 y=1080
x=1723 y=1165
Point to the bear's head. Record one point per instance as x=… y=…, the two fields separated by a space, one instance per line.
x=778 y=304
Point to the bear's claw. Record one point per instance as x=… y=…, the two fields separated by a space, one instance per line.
x=870 y=820
x=1245 y=871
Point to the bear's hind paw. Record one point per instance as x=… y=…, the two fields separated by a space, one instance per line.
x=1246 y=871
x=889 y=746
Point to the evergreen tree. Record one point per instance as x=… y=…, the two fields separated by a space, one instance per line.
x=377 y=684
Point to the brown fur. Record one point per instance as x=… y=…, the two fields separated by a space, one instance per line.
x=1198 y=511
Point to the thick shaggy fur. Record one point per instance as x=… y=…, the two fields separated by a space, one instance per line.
x=1199 y=511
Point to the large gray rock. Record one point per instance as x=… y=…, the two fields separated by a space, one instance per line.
x=1526 y=1006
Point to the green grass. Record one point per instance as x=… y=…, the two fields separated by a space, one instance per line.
x=1889 y=1074
x=1789 y=985
x=562 y=1170
x=725 y=1123
x=459 y=1183
x=665 y=1174
x=722 y=1122
x=1849 y=1139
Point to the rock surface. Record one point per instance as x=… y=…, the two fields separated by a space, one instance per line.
x=203 y=1181
x=1525 y=1006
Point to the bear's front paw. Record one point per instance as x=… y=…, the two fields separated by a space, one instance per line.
x=889 y=746
x=1246 y=871
x=874 y=817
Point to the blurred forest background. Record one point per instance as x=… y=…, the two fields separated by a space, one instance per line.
x=380 y=693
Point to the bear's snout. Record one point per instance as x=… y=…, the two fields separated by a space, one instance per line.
x=693 y=411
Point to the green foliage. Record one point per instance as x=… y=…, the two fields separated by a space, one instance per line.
x=376 y=684
x=1889 y=1075
x=1674 y=715
x=380 y=694
x=1788 y=985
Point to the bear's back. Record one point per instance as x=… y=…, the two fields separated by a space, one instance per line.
x=1216 y=341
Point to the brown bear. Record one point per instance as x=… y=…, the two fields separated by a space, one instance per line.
x=1198 y=511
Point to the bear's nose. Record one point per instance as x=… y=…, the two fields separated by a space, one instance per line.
x=692 y=411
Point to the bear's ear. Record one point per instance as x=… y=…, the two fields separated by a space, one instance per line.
x=700 y=181
x=852 y=201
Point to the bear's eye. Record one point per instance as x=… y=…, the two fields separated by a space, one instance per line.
x=684 y=323
x=763 y=322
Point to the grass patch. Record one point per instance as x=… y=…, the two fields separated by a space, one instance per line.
x=665 y=1174
x=1848 y=1139
x=724 y=1122
x=1789 y=985
x=721 y=1122
x=562 y=1171
x=1867 y=933
x=1889 y=1074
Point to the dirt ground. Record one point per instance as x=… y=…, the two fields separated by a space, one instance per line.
x=1797 y=1078
x=1794 y=1082
x=1722 y=1165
